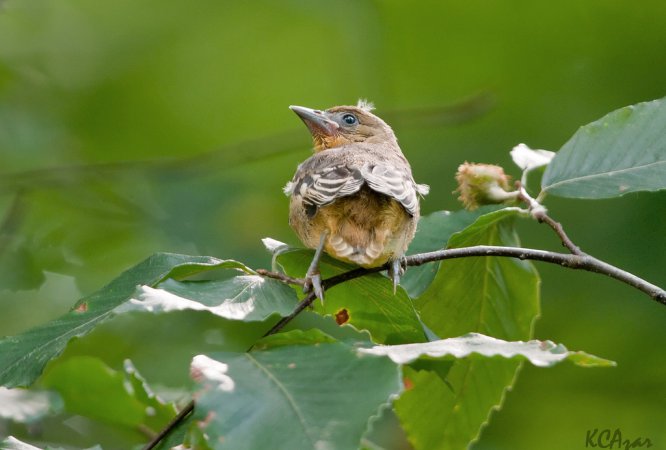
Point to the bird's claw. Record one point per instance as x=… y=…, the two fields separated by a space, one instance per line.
x=313 y=283
x=396 y=271
x=312 y=276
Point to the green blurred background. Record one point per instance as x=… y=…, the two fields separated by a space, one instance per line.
x=131 y=127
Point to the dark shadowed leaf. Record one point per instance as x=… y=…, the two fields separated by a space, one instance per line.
x=158 y=412
x=296 y=337
x=493 y=296
x=91 y=389
x=309 y=396
x=23 y=357
x=623 y=152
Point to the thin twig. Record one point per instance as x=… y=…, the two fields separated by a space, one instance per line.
x=542 y=216
x=171 y=425
x=281 y=277
x=539 y=212
x=307 y=301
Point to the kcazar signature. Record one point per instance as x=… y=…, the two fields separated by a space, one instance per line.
x=613 y=439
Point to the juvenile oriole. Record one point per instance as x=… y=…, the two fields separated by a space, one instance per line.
x=355 y=198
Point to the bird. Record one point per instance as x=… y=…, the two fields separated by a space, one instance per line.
x=355 y=198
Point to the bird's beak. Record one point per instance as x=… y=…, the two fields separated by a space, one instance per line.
x=316 y=121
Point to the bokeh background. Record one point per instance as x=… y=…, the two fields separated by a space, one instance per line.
x=131 y=127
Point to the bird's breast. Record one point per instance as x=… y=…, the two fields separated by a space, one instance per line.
x=366 y=228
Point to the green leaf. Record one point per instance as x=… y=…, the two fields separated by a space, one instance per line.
x=308 y=396
x=179 y=435
x=243 y=297
x=23 y=357
x=295 y=337
x=475 y=345
x=367 y=303
x=490 y=295
x=624 y=151
x=495 y=296
x=158 y=412
x=11 y=443
x=90 y=388
x=433 y=233
x=23 y=406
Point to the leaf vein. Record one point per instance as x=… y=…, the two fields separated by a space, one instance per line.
x=285 y=392
x=603 y=174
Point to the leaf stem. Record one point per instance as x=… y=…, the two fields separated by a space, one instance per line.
x=539 y=212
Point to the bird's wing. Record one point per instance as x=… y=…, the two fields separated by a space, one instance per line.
x=395 y=183
x=323 y=185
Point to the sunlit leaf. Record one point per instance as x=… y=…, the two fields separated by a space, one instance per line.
x=11 y=443
x=475 y=345
x=623 y=152
x=309 y=396
x=243 y=297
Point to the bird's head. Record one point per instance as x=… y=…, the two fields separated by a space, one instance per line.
x=342 y=125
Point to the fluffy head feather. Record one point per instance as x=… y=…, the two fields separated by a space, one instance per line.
x=365 y=105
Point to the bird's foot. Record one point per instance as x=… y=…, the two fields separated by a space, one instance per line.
x=313 y=283
x=396 y=270
x=312 y=276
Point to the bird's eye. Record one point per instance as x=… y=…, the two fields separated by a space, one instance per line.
x=349 y=119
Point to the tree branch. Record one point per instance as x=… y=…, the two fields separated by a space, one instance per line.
x=578 y=261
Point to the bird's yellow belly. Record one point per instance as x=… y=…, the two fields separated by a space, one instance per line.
x=366 y=228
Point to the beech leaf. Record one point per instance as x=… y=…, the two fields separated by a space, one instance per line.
x=475 y=345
